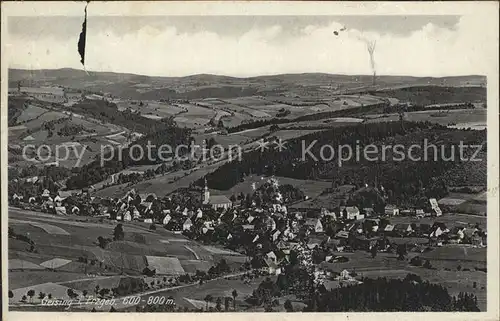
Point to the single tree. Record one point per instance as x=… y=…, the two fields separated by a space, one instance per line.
x=31 y=294
x=288 y=306
x=208 y=298
x=218 y=304
x=11 y=294
x=226 y=303
x=401 y=252
x=234 y=294
x=103 y=292
x=118 y=233
x=102 y=242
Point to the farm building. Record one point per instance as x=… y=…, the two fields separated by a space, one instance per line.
x=391 y=210
x=29 y=138
x=389 y=228
x=16 y=197
x=166 y=219
x=271 y=267
x=403 y=229
x=350 y=212
x=419 y=212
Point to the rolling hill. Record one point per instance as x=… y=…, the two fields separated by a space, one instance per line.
x=133 y=86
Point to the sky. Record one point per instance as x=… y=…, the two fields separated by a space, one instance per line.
x=251 y=45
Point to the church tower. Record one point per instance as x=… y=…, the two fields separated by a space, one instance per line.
x=206 y=194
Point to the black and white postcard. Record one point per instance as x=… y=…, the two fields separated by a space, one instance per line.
x=245 y=157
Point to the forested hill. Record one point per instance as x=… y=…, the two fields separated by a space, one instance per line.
x=403 y=179
x=385 y=295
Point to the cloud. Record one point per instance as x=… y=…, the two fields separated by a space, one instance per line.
x=429 y=51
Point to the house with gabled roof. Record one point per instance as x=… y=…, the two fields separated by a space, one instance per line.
x=127 y=217
x=186 y=226
x=403 y=229
x=342 y=235
x=46 y=193
x=166 y=219
x=314 y=224
x=350 y=212
x=389 y=228
x=275 y=235
x=60 y=210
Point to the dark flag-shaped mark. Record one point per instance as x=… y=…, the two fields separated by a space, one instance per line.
x=83 y=38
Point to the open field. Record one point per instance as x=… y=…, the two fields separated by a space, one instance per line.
x=81 y=238
x=217 y=288
x=387 y=265
x=190 y=266
x=194 y=116
x=449 y=219
x=57 y=291
x=454 y=281
x=21 y=279
x=458 y=117
x=309 y=187
x=324 y=123
x=165 y=265
x=150 y=108
x=51 y=229
x=30 y=113
x=457 y=253
x=162 y=185
x=55 y=263
x=16 y=264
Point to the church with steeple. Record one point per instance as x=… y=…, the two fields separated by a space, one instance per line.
x=215 y=201
x=206 y=194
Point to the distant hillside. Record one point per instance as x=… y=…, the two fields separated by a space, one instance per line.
x=142 y=87
x=430 y=95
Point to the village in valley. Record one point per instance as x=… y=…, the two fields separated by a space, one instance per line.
x=266 y=233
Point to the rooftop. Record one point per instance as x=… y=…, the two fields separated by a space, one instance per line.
x=219 y=199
